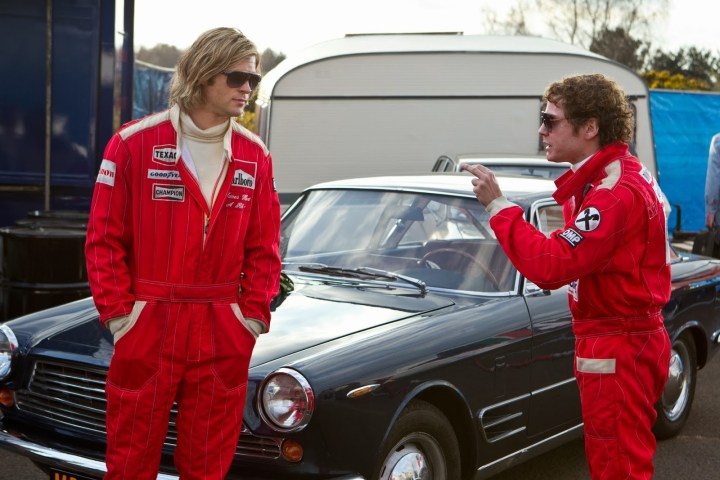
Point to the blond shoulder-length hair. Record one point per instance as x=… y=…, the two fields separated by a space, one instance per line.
x=213 y=52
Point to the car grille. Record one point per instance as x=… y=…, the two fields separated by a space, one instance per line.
x=74 y=397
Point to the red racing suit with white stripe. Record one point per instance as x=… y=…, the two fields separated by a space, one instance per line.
x=149 y=220
x=185 y=278
x=614 y=256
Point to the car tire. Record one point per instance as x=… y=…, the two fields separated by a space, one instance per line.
x=674 y=405
x=421 y=436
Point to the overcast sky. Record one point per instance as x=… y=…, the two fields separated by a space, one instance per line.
x=289 y=25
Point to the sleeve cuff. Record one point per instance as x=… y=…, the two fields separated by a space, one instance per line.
x=114 y=324
x=257 y=326
x=500 y=203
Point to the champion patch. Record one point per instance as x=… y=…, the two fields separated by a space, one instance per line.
x=165 y=154
x=588 y=220
x=572 y=237
x=170 y=193
x=106 y=174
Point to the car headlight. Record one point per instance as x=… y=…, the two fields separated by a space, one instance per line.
x=8 y=344
x=286 y=400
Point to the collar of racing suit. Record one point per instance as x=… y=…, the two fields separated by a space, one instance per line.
x=572 y=183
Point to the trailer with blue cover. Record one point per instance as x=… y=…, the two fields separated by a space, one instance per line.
x=66 y=69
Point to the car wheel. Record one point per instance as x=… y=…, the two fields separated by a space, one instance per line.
x=674 y=405
x=421 y=445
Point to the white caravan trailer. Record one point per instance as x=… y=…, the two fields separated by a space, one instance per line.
x=393 y=103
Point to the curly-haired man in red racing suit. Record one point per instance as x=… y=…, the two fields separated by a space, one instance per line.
x=183 y=261
x=613 y=254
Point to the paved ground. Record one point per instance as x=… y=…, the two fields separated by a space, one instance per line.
x=693 y=455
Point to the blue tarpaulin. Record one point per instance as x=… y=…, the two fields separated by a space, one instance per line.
x=683 y=124
x=151 y=86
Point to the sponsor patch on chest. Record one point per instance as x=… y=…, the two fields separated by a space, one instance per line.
x=169 y=193
x=573 y=290
x=245 y=173
x=165 y=154
x=163 y=174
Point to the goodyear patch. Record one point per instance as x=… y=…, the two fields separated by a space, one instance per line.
x=170 y=193
x=106 y=174
x=572 y=237
x=163 y=174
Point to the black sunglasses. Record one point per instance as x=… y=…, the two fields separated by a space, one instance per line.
x=548 y=120
x=237 y=79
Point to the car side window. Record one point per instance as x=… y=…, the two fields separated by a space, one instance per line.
x=442 y=221
x=549 y=218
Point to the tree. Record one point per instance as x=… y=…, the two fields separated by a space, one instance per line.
x=269 y=59
x=582 y=22
x=692 y=63
x=617 y=29
x=671 y=81
x=516 y=22
x=161 y=55
x=618 y=45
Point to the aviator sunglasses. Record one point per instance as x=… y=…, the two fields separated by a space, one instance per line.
x=237 y=79
x=548 y=120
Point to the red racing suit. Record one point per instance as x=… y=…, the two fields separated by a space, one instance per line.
x=613 y=254
x=188 y=278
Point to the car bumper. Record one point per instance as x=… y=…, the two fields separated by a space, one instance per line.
x=60 y=460
x=57 y=459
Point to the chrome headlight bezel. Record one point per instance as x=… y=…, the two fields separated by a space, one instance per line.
x=286 y=401
x=8 y=345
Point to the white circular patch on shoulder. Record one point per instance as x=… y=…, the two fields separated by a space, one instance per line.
x=588 y=220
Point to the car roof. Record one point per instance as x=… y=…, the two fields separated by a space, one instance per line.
x=514 y=187
x=511 y=160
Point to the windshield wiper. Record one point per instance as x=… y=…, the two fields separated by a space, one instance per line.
x=364 y=273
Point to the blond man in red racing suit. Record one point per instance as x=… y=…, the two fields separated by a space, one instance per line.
x=613 y=254
x=183 y=261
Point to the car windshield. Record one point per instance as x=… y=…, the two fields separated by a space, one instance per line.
x=443 y=241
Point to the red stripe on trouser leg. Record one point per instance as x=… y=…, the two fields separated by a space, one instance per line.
x=618 y=408
x=194 y=350
x=211 y=397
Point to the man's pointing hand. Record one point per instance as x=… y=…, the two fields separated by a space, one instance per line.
x=485 y=187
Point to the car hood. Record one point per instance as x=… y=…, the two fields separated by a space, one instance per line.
x=317 y=311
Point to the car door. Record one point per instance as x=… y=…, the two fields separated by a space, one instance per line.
x=554 y=398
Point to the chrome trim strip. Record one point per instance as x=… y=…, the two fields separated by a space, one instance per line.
x=554 y=385
x=57 y=459
x=715 y=337
x=491 y=469
x=64 y=461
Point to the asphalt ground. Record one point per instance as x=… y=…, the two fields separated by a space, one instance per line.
x=694 y=454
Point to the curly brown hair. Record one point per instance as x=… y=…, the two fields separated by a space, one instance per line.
x=583 y=97
x=213 y=52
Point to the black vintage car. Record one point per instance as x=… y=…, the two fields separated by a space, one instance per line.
x=404 y=345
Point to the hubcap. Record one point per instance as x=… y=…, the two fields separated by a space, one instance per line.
x=408 y=462
x=417 y=456
x=676 y=390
